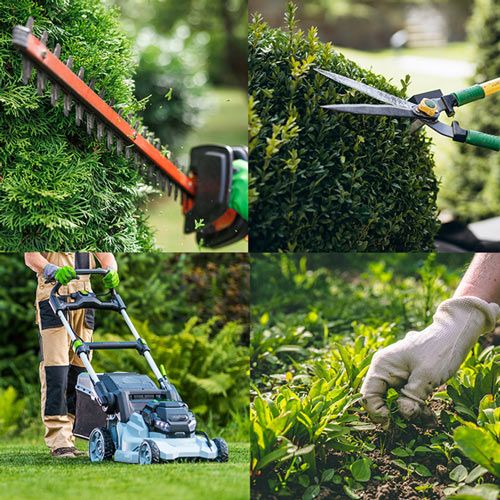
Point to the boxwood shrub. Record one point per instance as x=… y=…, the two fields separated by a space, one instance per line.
x=325 y=181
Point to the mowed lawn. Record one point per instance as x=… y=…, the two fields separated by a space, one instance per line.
x=28 y=472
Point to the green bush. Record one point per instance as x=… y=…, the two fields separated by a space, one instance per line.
x=323 y=181
x=11 y=410
x=472 y=184
x=61 y=189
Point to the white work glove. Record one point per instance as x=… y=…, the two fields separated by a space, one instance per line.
x=424 y=360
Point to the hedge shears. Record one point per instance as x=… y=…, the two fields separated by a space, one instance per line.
x=422 y=109
x=204 y=192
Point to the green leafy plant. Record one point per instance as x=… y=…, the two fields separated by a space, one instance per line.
x=11 y=410
x=323 y=181
x=330 y=317
x=61 y=189
x=481 y=443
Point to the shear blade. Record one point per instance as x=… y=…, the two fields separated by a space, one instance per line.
x=90 y=122
x=109 y=139
x=366 y=89
x=100 y=131
x=371 y=109
x=119 y=146
x=163 y=181
x=79 y=114
x=67 y=103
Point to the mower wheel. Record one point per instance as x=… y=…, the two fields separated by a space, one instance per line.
x=149 y=453
x=222 y=450
x=101 y=446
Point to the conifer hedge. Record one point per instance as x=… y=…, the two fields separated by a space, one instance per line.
x=322 y=181
x=59 y=188
x=471 y=190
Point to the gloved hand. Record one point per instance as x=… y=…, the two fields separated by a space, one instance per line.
x=424 y=360
x=111 y=278
x=62 y=274
x=239 y=189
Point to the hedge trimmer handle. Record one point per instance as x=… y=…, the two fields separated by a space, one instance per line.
x=474 y=137
x=483 y=140
x=476 y=92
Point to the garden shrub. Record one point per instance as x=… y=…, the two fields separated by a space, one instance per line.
x=59 y=188
x=473 y=182
x=11 y=410
x=322 y=181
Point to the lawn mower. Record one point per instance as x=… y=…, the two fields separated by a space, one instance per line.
x=204 y=192
x=126 y=416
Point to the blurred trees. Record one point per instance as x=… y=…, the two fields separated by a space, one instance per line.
x=182 y=46
x=364 y=24
x=472 y=189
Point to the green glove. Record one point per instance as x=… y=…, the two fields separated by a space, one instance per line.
x=111 y=278
x=64 y=275
x=239 y=189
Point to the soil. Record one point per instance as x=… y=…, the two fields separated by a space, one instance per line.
x=493 y=338
x=395 y=485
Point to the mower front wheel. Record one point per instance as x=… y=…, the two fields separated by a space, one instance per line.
x=101 y=446
x=149 y=453
x=222 y=450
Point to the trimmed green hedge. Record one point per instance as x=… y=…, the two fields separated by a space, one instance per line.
x=59 y=188
x=322 y=181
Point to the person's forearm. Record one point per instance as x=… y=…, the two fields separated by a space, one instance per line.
x=482 y=278
x=35 y=261
x=106 y=260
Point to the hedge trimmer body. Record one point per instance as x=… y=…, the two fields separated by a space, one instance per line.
x=422 y=109
x=204 y=193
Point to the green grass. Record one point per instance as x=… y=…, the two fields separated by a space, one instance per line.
x=226 y=123
x=28 y=472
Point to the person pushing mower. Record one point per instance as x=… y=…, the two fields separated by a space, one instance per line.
x=424 y=360
x=59 y=365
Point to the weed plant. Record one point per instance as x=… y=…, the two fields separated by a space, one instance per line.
x=311 y=346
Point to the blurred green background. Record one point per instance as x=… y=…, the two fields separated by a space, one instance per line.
x=441 y=44
x=192 y=68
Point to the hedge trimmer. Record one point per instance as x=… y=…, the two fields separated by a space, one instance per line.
x=422 y=109
x=204 y=193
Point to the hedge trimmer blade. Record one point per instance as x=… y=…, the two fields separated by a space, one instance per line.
x=422 y=109
x=155 y=166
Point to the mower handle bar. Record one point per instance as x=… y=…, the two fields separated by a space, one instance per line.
x=82 y=349
x=88 y=300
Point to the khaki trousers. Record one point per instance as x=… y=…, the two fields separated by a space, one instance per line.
x=59 y=366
